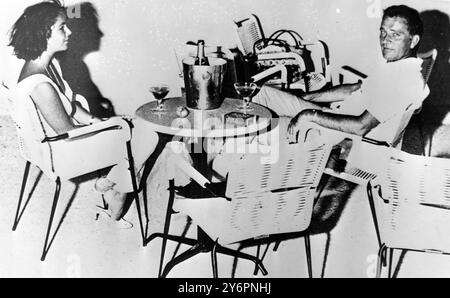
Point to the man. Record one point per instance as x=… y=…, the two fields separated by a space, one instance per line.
x=375 y=108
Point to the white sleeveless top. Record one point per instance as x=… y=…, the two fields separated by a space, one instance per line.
x=26 y=111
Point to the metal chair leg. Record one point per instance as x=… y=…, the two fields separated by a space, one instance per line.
x=22 y=190
x=136 y=192
x=167 y=225
x=277 y=245
x=308 y=255
x=193 y=251
x=214 y=260
x=52 y=215
x=179 y=239
x=239 y=254
x=391 y=255
x=381 y=259
x=379 y=265
x=373 y=211
x=258 y=252
x=144 y=198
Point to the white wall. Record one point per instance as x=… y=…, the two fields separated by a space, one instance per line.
x=140 y=35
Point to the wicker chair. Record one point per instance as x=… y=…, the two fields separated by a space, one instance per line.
x=39 y=150
x=429 y=58
x=261 y=199
x=410 y=205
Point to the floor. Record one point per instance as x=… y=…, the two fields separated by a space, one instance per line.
x=86 y=247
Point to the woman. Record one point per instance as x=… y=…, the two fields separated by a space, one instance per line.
x=36 y=37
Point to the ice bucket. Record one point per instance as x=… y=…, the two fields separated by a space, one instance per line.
x=203 y=84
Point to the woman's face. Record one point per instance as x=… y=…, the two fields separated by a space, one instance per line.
x=59 y=38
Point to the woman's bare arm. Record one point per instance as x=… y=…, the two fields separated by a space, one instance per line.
x=82 y=115
x=49 y=104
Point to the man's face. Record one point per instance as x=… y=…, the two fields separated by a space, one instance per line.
x=395 y=40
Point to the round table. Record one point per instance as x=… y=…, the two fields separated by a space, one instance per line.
x=205 y=123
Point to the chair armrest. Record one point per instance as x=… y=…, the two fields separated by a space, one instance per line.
x=347 y=75
x=195 y=175
x=339 y=135
x=193 y=190
x=375 y=142
x=84 y=131
x=268 y=72
x=354 y=71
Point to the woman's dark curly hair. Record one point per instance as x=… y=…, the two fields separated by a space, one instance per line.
x=31 y=31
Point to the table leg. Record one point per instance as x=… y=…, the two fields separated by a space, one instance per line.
x=199 y=156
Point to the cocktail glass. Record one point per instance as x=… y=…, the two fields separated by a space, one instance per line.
x=159 y=92
x=245 y=90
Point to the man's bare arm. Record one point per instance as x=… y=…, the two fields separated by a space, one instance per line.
x=338 y=93
x=358 y=125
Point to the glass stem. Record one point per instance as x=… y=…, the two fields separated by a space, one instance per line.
x=246 y=101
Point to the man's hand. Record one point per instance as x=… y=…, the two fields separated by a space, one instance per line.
x=355 y=87
x=295 y=124
x=293 y=129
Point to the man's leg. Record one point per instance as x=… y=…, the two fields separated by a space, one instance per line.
x=268 y=144
x=281 y=102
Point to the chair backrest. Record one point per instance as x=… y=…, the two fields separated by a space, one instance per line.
x=415 y=212
x=30 y=131
x=429 y=58
x=363 y=159
x=320 y=56
x=265 y=198
x=249 y=31
x=404 y=121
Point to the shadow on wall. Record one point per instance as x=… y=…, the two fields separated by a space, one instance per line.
x=86 y=38
x=437 y=35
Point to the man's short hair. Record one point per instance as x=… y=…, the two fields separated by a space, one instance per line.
x=412 y=17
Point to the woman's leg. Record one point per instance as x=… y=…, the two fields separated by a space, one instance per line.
x=85 y=155
x=143 y=142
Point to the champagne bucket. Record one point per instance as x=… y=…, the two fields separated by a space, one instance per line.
x=203 y=84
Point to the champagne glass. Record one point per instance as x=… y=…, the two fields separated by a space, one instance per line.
x=245 y=90
x=159 y=92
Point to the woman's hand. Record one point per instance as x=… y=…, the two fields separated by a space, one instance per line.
x=94 y=120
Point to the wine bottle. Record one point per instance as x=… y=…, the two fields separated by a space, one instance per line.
x=201 y=59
